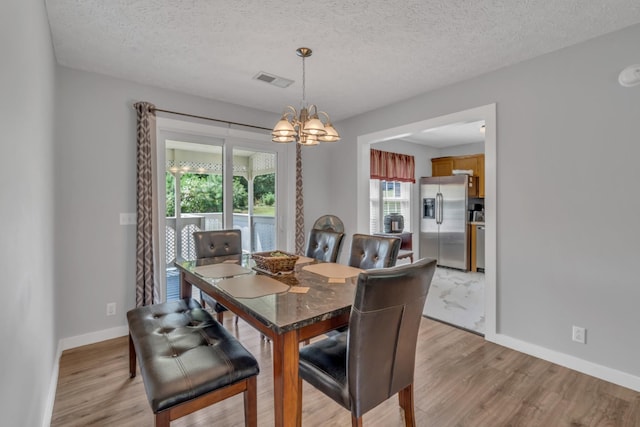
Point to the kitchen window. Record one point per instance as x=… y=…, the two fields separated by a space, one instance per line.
x=387 y=197
x=390 y=187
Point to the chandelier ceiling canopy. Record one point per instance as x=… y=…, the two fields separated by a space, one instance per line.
x=305 y=127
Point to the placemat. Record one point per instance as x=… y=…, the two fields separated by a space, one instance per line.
x=329 y=269
x=217 y=271
x=252 y=286
x=304 y=260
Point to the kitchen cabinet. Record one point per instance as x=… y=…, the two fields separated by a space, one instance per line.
x=444 y=166
x=472 y=246
x=481 y=176
x=476 y=246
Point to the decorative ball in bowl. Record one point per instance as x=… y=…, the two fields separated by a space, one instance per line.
x=275 y=262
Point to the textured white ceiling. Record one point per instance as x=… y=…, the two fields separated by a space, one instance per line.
x=449 y=135
x=367 y=54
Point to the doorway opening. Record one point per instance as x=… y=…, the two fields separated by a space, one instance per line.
x=487 y=114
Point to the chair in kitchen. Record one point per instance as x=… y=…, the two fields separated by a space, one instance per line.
x=324 y=245
x=375 y=358
x=216 y=246
x=369 y=251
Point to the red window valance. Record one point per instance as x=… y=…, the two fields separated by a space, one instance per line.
x=389 y=166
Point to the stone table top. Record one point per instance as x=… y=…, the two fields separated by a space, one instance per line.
x=290 y=310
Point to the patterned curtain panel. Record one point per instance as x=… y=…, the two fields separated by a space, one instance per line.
x=387 y=166
x=146 y=286
x=300 y=248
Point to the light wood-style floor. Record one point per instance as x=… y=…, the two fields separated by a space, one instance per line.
x=460 y=380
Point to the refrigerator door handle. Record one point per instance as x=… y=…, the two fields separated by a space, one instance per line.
x=437 y=208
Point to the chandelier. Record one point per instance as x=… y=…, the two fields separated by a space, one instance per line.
x=305 y=128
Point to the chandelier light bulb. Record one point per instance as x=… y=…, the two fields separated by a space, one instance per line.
x=283 y=128
x=283 y=139
x=314 y=127
x=331 y=135
x=308 y=140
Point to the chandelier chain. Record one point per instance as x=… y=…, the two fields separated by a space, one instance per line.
x=304 y=88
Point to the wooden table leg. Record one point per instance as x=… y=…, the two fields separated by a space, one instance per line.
x=185 y=287
x=285 y=379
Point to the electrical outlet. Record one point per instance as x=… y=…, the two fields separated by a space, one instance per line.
x=579 y=334
x=111 y=309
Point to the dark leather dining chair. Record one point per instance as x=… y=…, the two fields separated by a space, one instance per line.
x=370 y=251
x=375 y=358
x=324 y=245
x=217 y=246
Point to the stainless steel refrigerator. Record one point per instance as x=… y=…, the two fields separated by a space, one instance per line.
x=443 y=222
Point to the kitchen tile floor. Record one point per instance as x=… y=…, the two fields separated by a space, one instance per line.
x=457 y=298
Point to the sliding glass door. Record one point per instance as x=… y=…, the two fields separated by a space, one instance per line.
x=212 y=183
x=194 y=195
x=254 y=198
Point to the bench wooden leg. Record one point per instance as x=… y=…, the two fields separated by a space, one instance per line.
x=162 y=419
x=132 y=358
x=250 y=392
x=220 y=317
x=251 y=403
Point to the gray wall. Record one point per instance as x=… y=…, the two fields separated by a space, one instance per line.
x=96 y=181
x=28 y=315
x=568 y=144
x=317 y=170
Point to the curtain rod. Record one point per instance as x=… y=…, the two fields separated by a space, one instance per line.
x=209 y=118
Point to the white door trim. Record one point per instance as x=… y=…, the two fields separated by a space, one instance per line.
x=233 y=138
x=486 y=113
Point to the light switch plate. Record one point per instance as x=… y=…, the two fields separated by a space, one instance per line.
x=127 y=219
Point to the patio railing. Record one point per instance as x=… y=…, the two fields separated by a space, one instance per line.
x=258 y=233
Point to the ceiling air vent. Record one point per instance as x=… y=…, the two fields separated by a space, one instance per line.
x=273 y=79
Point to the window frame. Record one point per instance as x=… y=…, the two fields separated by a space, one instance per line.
x=377 y=204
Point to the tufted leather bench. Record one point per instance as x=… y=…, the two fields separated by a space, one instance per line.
x=188 y=360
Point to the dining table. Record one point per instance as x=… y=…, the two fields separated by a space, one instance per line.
x=289 y=309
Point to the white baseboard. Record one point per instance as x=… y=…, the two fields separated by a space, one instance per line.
x=69 y=343
x=593 y=369
x=53 y=386
x=93 y=337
